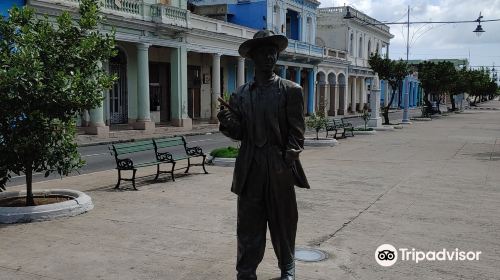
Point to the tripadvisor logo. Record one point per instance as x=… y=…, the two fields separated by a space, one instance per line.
x=387 y=255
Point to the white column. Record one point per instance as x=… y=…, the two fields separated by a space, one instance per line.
x=388 y=93
x=353 y=94
x=215 y=85
x=97 y=125
x=375 y=119
x=143 y=112
x=364 y=94
x=241 y=72
x=336 y=99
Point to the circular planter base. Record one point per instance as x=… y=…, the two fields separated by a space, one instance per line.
x=384 y=128
x=80 y=203
x=322 y=142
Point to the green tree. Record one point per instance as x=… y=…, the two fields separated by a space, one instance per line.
x=458 y=86
x=317 y=122
x=437 y=79
x=479 y=84
x=49 y=72
x=394 y=72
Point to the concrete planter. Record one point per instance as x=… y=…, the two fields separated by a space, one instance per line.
x=322 y=142
x=384 y=128
x=218 y=161
x=80 y=203
x=364 y=132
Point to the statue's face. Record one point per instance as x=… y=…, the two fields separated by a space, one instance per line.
x=264 y=57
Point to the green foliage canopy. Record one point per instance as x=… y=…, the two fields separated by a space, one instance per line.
x=49 y=71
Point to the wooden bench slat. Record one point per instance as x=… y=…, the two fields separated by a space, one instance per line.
x=166 y=143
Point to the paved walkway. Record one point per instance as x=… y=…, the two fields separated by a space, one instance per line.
x=429 y=186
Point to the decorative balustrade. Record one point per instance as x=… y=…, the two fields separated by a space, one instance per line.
x=170 y=15
x=125 y=6
x=304 y=48
x=136 y=9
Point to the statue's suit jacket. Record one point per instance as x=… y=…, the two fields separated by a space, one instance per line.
x=284 y=130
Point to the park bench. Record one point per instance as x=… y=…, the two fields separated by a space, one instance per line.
x=123 y=153
x=347 y=127
x=336 y=125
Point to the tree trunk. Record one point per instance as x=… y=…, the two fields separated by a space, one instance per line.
x=386 y=109
x=317 y=134
x=29 y=185
x=400 y=97
x=452 y=98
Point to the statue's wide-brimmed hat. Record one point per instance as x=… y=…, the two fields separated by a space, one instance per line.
x=263 y=37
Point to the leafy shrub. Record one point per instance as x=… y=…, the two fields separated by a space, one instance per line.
x=227 y=152
x=317 y=122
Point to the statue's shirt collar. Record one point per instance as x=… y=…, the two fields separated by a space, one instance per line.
x=268 y=83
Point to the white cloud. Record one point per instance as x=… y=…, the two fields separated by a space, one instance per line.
x=437 y=40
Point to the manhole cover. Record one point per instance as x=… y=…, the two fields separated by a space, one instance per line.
x=310 y=255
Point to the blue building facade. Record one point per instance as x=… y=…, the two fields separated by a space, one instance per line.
x=5 y=5
x=411 y=85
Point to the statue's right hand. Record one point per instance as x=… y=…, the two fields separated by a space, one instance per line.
x=227 y=118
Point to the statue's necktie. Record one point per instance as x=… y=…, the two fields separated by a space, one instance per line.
x=260 y=124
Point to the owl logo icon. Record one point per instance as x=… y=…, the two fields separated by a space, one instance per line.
x=386 y=255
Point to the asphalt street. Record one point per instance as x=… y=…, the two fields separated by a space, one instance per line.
x=98 y=158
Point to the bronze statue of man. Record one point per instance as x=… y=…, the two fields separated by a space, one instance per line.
x=267 y=116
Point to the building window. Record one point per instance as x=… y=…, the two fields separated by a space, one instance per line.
x=369 y=48
x=292 y=24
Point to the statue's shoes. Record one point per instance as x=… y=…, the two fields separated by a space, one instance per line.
x=288 y=274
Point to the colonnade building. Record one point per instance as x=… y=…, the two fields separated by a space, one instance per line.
x=174 y=58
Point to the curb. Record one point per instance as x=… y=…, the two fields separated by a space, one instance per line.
x=80 y=204
x=107 y=142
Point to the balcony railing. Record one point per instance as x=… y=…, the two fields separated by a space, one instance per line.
x=136 y=10
x=333 y=53
x=170 y=15
x=304 y=48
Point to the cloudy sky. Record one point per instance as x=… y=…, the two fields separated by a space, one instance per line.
x=437 y=40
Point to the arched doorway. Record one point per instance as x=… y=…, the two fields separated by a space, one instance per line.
x=321 y=89
x=332 y=81
x=342 y=94
x=118 y=104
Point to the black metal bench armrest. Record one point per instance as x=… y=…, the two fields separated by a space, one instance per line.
x=125 y=164
x=346 y=124
x=330 y=127
x=166 y=156
x=194 y=151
